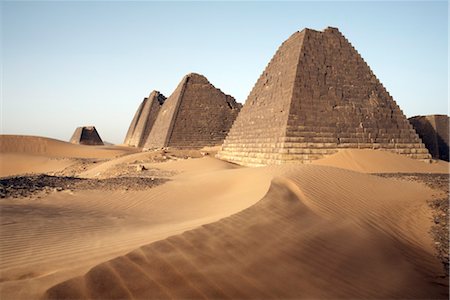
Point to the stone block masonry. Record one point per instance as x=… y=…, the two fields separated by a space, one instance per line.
x=434 y=132
x=143 y=120
x=317 y=95
x=86 y=135
x=196 y=115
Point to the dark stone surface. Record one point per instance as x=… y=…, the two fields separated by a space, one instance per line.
x=434 y=132
x=315 y=96
x=196 y=115
x=86 y=135
x=143 y=121
x=23 y=186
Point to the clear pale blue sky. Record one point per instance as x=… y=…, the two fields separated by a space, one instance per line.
x=66 y=64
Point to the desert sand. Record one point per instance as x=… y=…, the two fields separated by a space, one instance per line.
x=379 y=161
x=215 y=229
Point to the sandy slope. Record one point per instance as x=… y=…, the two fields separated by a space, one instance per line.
x=41 y=146
x=44 y=241
x=15 y=164
x=319 y=232
x=378 y=161
x=166 y=160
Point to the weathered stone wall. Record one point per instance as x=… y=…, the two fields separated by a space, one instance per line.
x=204 y=116
x=162 y=128
x=434 y=132
x=86 y=135
x=195 y=115
x=339 y=100
x=133 y=124
x=335 y=102
x=259 y=128
x=144 y=119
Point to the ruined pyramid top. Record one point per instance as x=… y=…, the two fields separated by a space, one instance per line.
x=144 y=119
x=86 y=135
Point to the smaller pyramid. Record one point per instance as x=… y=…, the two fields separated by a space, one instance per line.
x=196 y=115
x=143 y=120
x=86 y=135
x=433 y=130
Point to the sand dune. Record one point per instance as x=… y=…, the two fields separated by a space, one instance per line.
x=45 y=241
x=217 y=230
x=41 y=146
x=319 y=232
x=378 y=161
x=167 y=160
x=15 y=164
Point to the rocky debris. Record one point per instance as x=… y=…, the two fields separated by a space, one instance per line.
x=24 y=186
x=440 y=209
x=80 y=165
x=134 y=168
x=140 y=168
x=440 y=229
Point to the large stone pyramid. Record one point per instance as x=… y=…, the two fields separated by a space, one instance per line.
x=144 y=119
x=317 y=95
x=196 y=115
x=86 y=135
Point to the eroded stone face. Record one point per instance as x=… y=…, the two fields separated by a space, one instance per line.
x=86 y=135
x=144 y=119
x=317 y=95
x=434 y=132
x=196 y=115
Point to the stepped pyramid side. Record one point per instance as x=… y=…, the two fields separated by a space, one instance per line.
x=204 y=116
x=257 y=134
x=336 y=102
x=162 y=128
x=86 y=135
x=144 y=119
x=196 y=115
x=434 y=132
x=132 y=127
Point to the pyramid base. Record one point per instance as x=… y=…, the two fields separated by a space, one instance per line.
x=246 y=157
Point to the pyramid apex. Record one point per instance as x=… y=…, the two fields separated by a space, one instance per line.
x=158 y=96
x=155 y=92
x=193 y=75
x=332 y=29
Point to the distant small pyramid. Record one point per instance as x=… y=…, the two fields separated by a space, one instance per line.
x=143 y=120
x=316 y=96
x=434 y=132
x=196 y=115
x=86 y=135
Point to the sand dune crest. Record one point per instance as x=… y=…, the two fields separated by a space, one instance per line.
x=34 y=145
x=379 y=161
x=294 y=243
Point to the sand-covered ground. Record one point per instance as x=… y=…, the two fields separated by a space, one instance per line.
x=113 y=223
